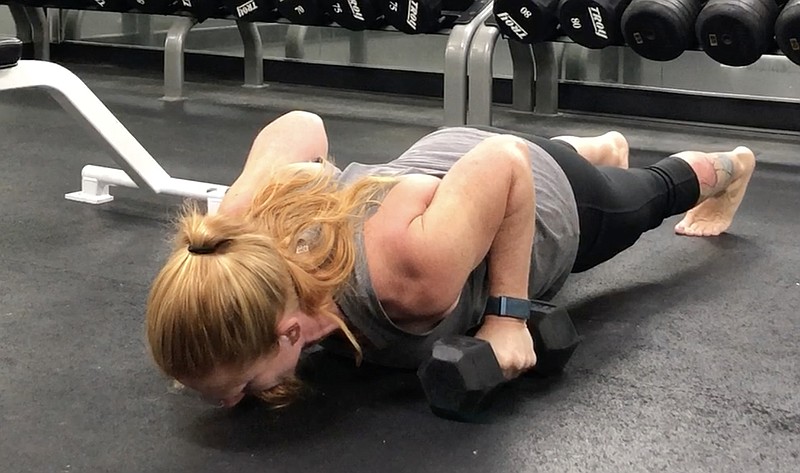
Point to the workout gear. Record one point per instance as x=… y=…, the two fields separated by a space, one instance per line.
x=508 y=307
x=737 y=32
x=10 y=52
x=527 y=21
x=593 y=24
x=356 y=15
x=661 y=30
x=420 y=16
x=787 y=31
x=463 y=371
x=615 y=206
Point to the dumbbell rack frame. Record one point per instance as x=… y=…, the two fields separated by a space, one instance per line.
x=534 y=82
x=456 y=63
x=139 y=168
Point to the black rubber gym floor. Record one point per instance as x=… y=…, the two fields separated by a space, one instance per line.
x=689 y=363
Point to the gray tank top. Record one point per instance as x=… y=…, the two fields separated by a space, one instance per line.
x=554 y=250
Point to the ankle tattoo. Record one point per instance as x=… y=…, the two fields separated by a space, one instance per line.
x=722 y=166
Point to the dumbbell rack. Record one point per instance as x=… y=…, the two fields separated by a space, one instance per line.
x=138 y=168
x=457 y=51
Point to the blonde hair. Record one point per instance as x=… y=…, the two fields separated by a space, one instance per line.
x=293 y=247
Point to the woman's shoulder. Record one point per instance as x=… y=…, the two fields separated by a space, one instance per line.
x=385 y=237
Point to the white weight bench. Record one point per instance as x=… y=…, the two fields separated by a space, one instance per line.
x=139 y=169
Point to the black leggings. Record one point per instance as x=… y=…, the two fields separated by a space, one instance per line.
x=615 y=206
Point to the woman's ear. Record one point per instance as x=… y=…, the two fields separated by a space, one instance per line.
x=290 y=329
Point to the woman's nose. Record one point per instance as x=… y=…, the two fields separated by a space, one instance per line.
x=231 y=401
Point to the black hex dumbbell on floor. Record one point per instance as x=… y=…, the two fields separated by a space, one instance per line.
x=661 y=30
x=463 y=371
x=787 y=31
x=593 y=24
x=737 y=32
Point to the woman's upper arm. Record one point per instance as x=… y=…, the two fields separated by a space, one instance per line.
x=437 y=235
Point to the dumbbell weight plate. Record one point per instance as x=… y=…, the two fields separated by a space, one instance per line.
x=527 y=21
x=660 y=30
x=459 y=375
x=154 y=7
x=120 y=6
x=413 y=16
x=736 y=33
x=594 y=24
x=304 y=12
x=252 y=10
x=787 y=31
x=356 y=15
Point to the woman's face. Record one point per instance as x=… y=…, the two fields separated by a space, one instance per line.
x=227 y=386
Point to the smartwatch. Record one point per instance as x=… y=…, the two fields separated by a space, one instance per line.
x=508 y=307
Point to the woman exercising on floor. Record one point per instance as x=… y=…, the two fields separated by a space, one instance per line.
x=388 y=258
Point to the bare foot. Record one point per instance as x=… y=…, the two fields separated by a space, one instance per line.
x=619 y=151
x=723 y=180
x=610 y=149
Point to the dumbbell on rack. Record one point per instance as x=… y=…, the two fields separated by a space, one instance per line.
x=463 y=371
x=200 y=9
x=527 y=21
x=421 y=16
x=356 y=15
x=594 y=24
x=117 y=6
x=252 y=10
x=661 y=30
x=787 y=31
x=305 y=12
x=737 y=32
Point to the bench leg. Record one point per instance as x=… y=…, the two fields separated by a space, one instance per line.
x=139 y=168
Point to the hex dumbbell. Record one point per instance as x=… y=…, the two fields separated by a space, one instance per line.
x=463 y=371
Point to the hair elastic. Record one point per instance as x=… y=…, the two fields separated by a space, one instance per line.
x=206 y=249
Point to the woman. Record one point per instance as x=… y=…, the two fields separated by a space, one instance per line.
x=385 y=259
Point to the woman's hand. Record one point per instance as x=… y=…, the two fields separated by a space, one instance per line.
x=511 y=342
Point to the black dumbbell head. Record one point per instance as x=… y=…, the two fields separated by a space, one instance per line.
x=594 y=24
x=356 y=15
x=458 y=377
x=10 y=51
x=787 y=31
x=252 y=10
x=305 y=12
x=413 y=16
x=120 y=6
x=736 y=32
x=527 y=21
x=154 y=7
x=660 y=30
x=554 y=337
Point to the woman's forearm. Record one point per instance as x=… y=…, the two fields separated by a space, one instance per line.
x=509 y=257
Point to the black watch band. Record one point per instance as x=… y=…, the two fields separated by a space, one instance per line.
x=508 y=307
